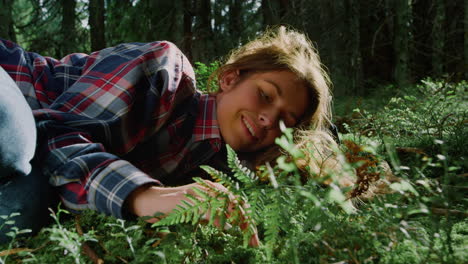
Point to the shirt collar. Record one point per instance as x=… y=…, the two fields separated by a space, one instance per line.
x=206 y=123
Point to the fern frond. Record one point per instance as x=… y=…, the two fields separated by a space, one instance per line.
x=199 y=192
x=195 y=208
x=256 y=198
x=219 y=176
x=185 y=212
x=241 y=173
x=272 y=227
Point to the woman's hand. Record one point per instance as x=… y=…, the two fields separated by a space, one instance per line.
x=148 y=200
x=232 y=207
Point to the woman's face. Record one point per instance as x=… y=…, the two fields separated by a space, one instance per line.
x=249 y=110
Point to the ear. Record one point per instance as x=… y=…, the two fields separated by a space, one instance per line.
x=228 y=80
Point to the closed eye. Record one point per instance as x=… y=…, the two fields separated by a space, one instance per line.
x=264 y=96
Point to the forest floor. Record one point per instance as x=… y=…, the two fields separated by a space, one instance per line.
x=420 y=132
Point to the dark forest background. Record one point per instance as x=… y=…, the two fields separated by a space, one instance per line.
x=399 y=69
x=362 y=42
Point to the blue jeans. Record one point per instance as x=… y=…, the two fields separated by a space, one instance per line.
x=30 y=195
x=23 y=188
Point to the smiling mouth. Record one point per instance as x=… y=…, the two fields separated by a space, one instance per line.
x=249 y=128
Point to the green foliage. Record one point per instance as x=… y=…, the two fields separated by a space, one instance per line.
x=67 y=240
x=193 y=211
x=203 y=73
x=8 y=221
x=434 y=111
x=38 y=25
x=352 y=42
x=216 y=205
x=440 y=114
x=422 y=221
x=241 y=174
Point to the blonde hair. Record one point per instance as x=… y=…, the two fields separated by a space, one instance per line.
x=285 y=49
x=280 y=49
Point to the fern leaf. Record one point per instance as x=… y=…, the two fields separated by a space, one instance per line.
x=183 y=213
x=241 y=173
x=219 y=176
x=215 y=192
x=192 y=199
x=272 y=226
x=201 y=193
x=257 y=200
x=191 y=211
x=196 y=217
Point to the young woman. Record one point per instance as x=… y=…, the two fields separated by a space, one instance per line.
x=115 y=125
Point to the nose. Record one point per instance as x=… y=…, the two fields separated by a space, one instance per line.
x=268 y=119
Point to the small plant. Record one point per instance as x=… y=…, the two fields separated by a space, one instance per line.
x=8 y=221
x=203 y=73
x=126 y=233
x=422 y=219
x=69 y=242
x=437 y=110
x=217 y=203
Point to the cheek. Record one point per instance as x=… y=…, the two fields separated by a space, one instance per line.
x=272 y=135
x=252 y=100
x=251 y=96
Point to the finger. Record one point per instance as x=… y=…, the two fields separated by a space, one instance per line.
x=216 y=185
x=254 y=241
x=233 y=209
x=232 y=199
x=216 y=222
x=196 y=188
x=220 y=187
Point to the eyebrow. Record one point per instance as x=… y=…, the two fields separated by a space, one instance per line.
x=278 y=89
x=280 y=93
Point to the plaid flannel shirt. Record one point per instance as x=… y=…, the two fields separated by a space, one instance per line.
x=109 y=120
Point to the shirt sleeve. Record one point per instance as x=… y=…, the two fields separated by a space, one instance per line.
x=40 y=79
x=99 y=107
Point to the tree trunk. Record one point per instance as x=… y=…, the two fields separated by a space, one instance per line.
x=218 y=17
x=327 y=43
x=203 y=45
x=438 y=38
x=117 y=17
x=299 y=12
x=354 y=37
x=335 y=52
x=466 y=40
x=267 y=12
x=235 y=21
x=6 y=25
x=68 y=26
x=271 y=11
x=96 y=24
x=283 y=9
x=175 y=25
x=401 y=41
x=188 y=34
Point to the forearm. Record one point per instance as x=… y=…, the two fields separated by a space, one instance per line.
x=148 y=200
x=86 y=176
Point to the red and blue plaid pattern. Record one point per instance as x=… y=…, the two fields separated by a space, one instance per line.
x=109 y=120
